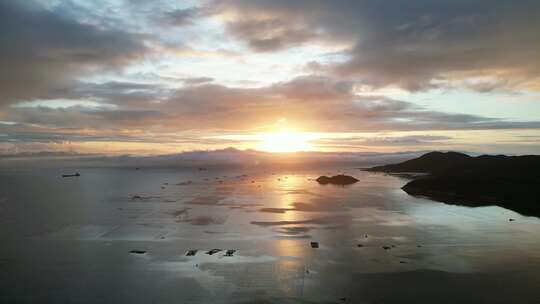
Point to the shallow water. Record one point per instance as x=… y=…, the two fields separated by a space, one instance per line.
x=67 y=240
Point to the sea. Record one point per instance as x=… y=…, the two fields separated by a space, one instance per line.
x=122 y=235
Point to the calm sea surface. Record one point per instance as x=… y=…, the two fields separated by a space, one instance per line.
x=68 y=240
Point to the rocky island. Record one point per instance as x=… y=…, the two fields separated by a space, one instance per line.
x=508 y=181
x=336 y=180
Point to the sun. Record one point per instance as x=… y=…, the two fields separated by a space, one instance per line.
x=284 y=141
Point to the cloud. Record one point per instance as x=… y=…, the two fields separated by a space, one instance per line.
x=83 y=117
x=264 y=35
x=413 y=45
x=181 y=17
x=97 y=66
x=314 y=88
x=318 y=103
x=42 y=51
x=126 y=94
x=409 y=142
x=197 y=80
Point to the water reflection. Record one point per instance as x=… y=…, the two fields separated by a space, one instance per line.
x=373 y=237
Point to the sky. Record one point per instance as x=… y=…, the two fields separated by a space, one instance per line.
x=156 y=77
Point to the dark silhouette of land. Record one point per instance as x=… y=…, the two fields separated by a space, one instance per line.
x=336 y=180
x=512 y=182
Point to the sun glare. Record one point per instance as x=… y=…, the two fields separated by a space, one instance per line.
x=285 y=141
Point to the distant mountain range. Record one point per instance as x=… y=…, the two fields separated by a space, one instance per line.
x=203 y=158
x=512 y=182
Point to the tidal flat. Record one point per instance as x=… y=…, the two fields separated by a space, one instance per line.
x=120 y=235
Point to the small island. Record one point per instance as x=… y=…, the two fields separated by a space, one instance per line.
x=336 y=180
x=451 y=177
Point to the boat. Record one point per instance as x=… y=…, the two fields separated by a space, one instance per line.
x=77 y=174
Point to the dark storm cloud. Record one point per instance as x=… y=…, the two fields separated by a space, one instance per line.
x=42 y=51
x=410 y=44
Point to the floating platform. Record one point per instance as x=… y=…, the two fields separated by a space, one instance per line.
x=230 y=252
x=191 y=252
x=213 y=251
